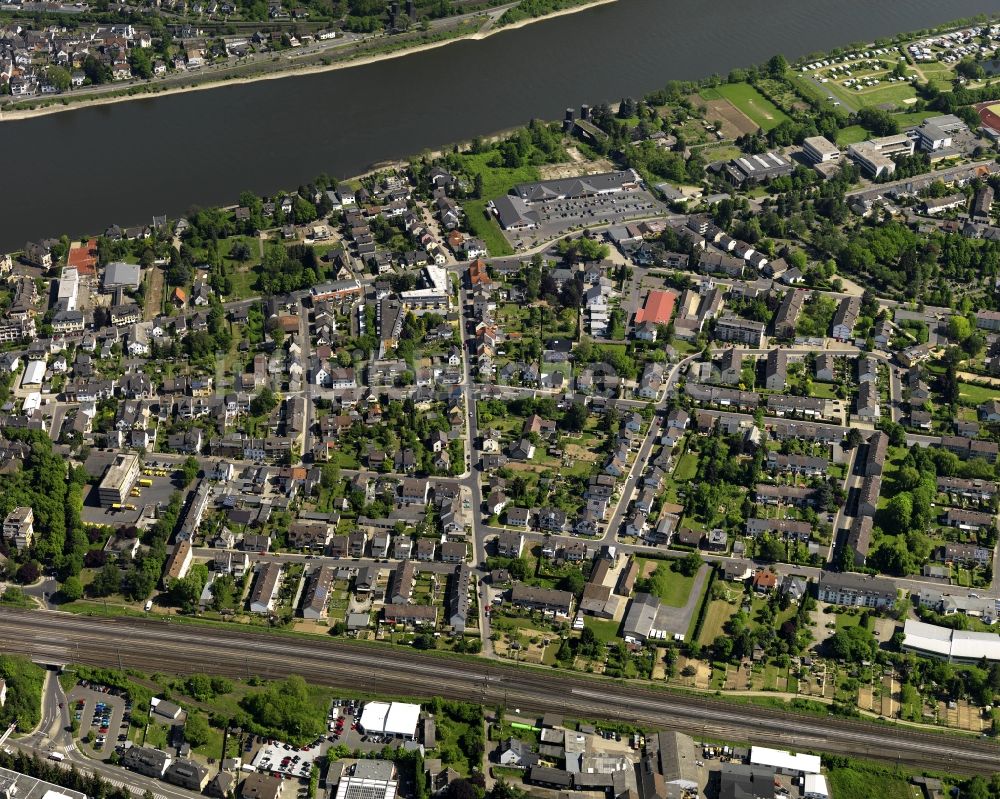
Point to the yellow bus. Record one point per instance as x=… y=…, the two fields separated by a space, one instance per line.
x=145 y=483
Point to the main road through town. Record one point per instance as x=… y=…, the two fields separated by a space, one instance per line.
x=59 y=638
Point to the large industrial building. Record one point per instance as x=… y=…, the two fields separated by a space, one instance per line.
x=14 y=785
x=955 y=646
x=398 y=719
x=118 y=480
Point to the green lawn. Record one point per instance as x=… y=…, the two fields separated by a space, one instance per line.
x=885 y=93
x=851 y=135
x=848 y=783
x=244 y=284
x=605 y=630
x=824 y=390
x=673 y=588
x=752 y=103
x=976 y=394
x=687 y=467
x=719 y=612
x=485 y=227
x=912 y=118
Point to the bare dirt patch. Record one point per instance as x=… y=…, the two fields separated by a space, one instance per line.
x=734 y=122
x=578 y=453
x=579 y=165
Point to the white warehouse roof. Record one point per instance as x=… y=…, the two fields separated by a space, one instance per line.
x=778 y=758
x=956 y=645
x=33 y=373
x=814 y=786
x=397 y=718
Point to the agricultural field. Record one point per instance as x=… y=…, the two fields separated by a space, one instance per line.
x=750 y=102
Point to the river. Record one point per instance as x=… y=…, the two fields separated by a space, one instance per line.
x=82 y=170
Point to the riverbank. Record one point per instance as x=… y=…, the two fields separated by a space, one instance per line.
x=151 y=90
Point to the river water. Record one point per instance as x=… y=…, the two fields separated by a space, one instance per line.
x=80 y=171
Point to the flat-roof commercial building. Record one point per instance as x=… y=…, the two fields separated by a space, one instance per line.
x=118 y=479
x=368 y=779
x=755 y=169
x=398 y=719
x=120 y=275
x=820 y=150
x=15 y=785
x=875 y=155
x=955 y=646
x=34 y=373
x=583 y=186
x=785 y=762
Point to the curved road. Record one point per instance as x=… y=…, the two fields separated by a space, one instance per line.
x=59 y=638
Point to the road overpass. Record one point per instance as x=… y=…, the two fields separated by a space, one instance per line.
x=157 y=646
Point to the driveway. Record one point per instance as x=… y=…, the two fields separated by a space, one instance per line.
x=676 y=621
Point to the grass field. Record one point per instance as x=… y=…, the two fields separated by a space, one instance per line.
x=887 y=94
x=604 y=629
x=719 y=612
x=751 y=102
x=687 y=467
x=847 y=783
x=497 y=180
x=673 y=588
x=976 y=394
x=851 y=135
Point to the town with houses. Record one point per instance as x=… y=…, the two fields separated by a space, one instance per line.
x=738 y=436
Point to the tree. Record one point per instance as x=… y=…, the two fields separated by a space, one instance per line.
x=72 y=589
x=28 y=572
x=572 y=581
x=959 y=329
x=899 y=513
x=852 y=644
x=689 y=564
x=196 y=730
x=190 y=469
x=853 y=439
x=107 y=581
x=58 y=77
x=140 y=63
x=265 y=402
x=777 y=66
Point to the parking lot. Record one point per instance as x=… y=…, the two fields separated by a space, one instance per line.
x=101 y=713
x=288 y=761
x=558 y=217
x=342 y=719
x=141 y=502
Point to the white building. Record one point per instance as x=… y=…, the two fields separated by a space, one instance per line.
x=820 y=150
x=398 y=719
x=784 y=762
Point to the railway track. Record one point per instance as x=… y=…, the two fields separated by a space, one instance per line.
x=152 y=646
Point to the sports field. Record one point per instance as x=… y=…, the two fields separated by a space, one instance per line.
x=989 y=115
x=752 y=103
